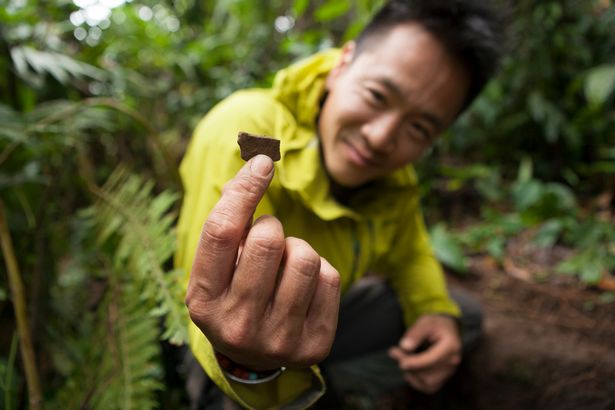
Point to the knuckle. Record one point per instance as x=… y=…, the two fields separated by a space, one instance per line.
x=194 y=313
x=201 y=315
x=319 y=354
x=322 y=330
x=329 y=275
x=303 y=257
x=221 y=230
x=188 y=300
x=262 y=248
x=244 y=187
x=191 y=304
x=266 y=238
x=196 y=308
x=280 y=350
x=236 y=336
x=317 y=347
x=313 y=356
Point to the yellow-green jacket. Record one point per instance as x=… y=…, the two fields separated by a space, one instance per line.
x=381 y=230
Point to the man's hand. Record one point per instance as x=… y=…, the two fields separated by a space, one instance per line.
x=263 y=300
x=427 y=370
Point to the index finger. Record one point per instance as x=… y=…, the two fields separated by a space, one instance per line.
x=225 y=227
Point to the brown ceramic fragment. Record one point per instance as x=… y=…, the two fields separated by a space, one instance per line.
x=252 y=145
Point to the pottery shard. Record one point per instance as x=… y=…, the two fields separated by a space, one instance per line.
x=251 y=145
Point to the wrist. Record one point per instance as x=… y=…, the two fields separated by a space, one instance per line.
x=242 y=374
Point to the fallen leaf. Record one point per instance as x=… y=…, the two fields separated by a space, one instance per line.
x=607 y=283
x=516 y=271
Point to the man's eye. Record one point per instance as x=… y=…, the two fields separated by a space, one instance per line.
x=376 y=96
x=419 y=132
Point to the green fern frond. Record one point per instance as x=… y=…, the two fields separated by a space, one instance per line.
x=32 y=65
x=128 y=212
x=114 y=360
x=129 y=373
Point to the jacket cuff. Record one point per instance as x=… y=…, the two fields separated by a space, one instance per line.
x=293 y=389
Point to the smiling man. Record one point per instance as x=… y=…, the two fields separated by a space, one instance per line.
x=378 y=117
x=337 y=217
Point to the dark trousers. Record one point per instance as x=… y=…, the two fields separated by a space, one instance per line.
x=370 y=322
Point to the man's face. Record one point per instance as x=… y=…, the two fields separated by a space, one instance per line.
x=386 y=107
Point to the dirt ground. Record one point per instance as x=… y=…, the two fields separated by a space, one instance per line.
x=546 y=346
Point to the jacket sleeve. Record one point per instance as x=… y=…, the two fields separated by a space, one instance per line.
x=415 y=274
x=211 y=160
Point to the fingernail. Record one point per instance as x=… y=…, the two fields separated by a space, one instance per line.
x=261 y=165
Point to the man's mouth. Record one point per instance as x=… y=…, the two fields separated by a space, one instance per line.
x=359 y=157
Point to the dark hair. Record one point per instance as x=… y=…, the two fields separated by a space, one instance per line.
x=471 y=30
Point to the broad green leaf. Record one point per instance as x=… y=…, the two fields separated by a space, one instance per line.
x=588 y=265
x=496 y=246
x=526 y=170
x=537 y=106
x=591 y=272
x=527 y=194
x=299 y=7
x=447 y=248
x=549 y=233
x=332 y=9
x=353 y=30
x=563 y=197
x=600 y=83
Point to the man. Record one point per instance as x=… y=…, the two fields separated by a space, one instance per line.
x=341 y=203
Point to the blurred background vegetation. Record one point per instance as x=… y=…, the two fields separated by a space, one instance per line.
x=97 y=102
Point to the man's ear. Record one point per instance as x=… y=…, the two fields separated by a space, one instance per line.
x=342 y=64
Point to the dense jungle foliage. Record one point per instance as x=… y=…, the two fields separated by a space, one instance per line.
x=98 y=100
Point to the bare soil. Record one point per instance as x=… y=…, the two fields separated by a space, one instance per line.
x=546 y=346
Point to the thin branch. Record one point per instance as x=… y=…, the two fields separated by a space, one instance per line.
x=19 y=302
x=8 y=150
x=8 y=383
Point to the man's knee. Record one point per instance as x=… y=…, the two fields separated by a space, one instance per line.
x=471 y=319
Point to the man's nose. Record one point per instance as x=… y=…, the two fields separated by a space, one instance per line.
x=380 y=132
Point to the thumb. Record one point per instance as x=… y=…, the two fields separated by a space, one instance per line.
x=414 y=338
